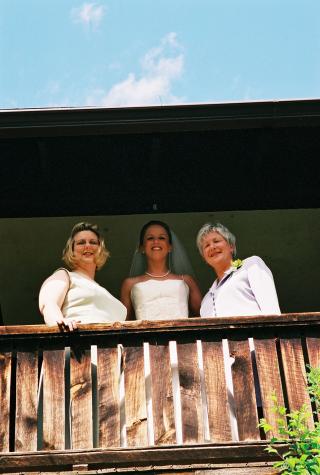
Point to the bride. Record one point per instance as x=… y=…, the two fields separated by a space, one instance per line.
x=160 y=286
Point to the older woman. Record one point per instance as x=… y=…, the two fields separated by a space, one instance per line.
x=70 y=297
x=241 y=287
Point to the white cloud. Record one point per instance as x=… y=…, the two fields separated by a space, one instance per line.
x=160 y=67
x=89 y=14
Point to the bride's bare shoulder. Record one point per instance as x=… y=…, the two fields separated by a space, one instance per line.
x=129 y=282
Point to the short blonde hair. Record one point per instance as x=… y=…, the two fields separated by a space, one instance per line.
x=68 y=255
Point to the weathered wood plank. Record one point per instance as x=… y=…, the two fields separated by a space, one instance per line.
x=225 y=469
x=81 y=398
x=216 y=391
x=295 y=375
x=313 y=346
x=53 y=400
x=162 y=396
x=135 y=396
x=260 y=321
x=140 y=457
x=269 y=379
x=5 y=385
x=190 y=388
x=109 y=398
x=247 y=470
x=244 y=391
x=26 y=401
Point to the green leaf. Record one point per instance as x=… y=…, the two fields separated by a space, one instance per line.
x=271 y=450
x=303 y=456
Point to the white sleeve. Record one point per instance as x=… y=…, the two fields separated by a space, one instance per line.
x=262 y=285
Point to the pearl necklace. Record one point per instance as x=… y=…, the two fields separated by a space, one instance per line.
x=158 y=276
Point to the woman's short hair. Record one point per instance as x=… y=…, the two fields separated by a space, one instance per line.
x=68 y=255
x=154 y=223
x=217 y=228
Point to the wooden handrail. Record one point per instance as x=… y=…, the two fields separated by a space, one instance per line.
x=285 y=319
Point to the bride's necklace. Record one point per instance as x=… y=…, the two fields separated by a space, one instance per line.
x=158 y=276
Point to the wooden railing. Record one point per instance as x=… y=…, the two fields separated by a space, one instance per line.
x=49 y=401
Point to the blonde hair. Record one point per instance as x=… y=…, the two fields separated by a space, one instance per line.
x=68 y=255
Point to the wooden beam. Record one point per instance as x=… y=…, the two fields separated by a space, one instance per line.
x=139 y=457
x=167 y=326
x=254 y=468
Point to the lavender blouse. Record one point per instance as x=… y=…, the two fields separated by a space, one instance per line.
x=248 y=290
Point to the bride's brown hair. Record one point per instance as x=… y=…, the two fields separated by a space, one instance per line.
x=154 y=223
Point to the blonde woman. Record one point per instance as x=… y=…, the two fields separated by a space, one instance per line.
x=73 y=296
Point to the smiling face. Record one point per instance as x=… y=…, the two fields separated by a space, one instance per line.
x=85 y=248
x=217 y=252
x=156 y=242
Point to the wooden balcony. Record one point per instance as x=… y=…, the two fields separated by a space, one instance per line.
x=118 y=413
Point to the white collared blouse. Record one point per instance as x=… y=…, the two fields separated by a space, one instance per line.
x=248 y=290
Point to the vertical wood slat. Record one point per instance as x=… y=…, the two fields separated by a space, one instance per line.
x=109 y=397
x=244 y=391
x=269 y=379
x=295 y=375
x=53 y=400
x=162 y=396
x=26 y=401
x=5 y=386
x=135 y=396
x=216 y=391
x=190 y=388
x=81 y=399
x=313 y=346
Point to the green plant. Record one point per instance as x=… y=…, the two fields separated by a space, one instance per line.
x=303 y=455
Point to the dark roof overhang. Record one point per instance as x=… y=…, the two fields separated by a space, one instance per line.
x=202 y=157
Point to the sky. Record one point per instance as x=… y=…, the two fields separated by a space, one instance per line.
x=119 y=53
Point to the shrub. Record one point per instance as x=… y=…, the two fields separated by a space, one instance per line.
x=303 y=455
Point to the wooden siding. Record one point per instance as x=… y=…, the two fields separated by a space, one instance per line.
x=101 y=404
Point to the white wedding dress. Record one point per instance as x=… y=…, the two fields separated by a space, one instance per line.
x=160 y=299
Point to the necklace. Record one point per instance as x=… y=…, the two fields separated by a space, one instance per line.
x=158 y=276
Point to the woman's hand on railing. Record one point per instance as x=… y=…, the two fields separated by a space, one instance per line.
x=67 y=324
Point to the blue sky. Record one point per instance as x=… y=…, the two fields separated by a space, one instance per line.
x=117 y=53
